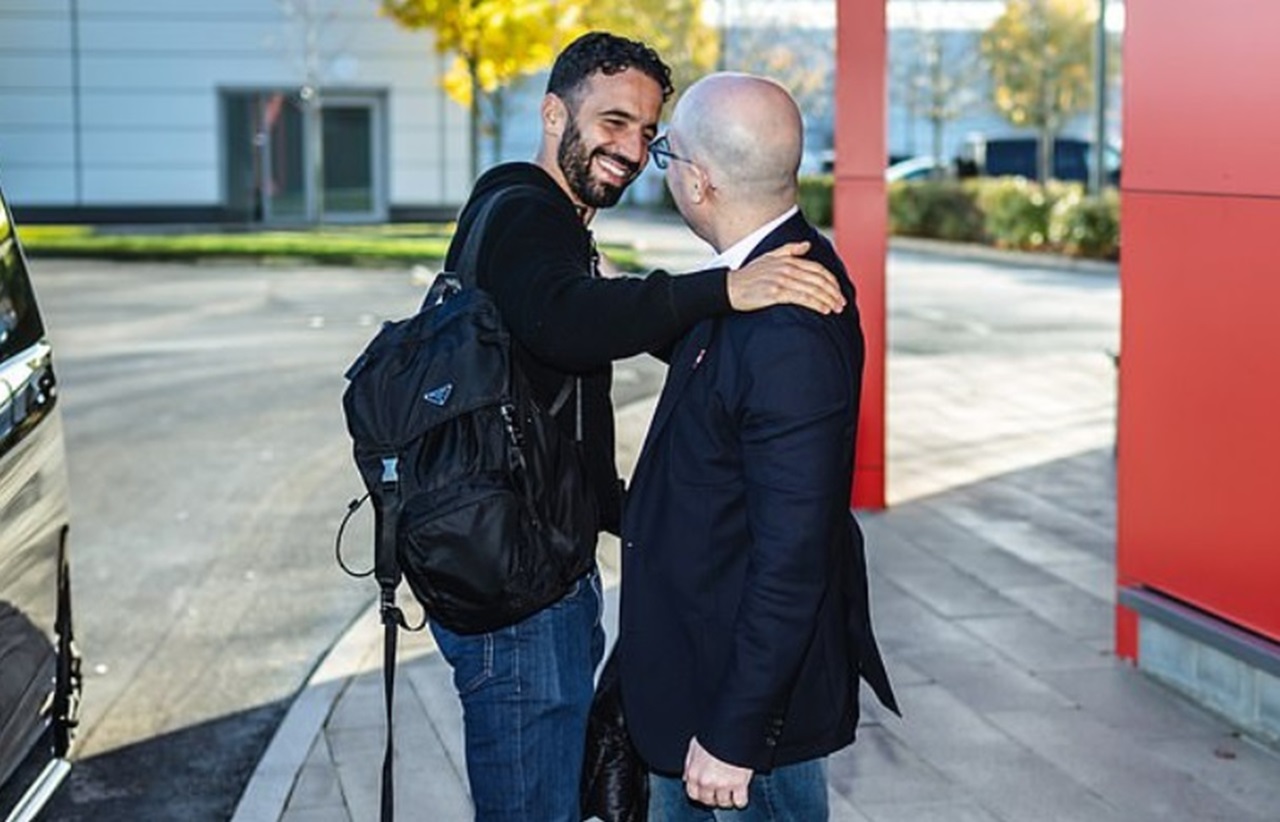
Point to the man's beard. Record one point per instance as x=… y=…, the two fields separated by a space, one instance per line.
x=575 y=162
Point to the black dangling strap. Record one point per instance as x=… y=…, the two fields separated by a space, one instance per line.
x=352 y=507
x=387 y=517
x=388 y=688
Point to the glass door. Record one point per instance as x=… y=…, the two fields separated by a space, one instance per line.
x=352 y=183
x=268 y=140
x=282 y=156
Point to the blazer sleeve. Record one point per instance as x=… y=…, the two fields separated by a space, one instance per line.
x=795 y=414
x=540 y=277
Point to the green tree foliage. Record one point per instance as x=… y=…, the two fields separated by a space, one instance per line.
x=1040 y=54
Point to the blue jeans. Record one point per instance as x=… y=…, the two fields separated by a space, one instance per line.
x=526 y=690
x=792 y=793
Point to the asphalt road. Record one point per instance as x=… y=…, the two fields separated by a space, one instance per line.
x=209 y=469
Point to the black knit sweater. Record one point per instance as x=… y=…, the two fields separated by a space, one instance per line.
x=537 y=265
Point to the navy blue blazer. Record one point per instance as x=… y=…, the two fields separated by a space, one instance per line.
x=744 y=601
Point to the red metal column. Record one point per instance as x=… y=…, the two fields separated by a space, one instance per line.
x=861 y=219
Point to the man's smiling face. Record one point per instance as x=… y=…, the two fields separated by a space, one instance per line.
x=605 y=142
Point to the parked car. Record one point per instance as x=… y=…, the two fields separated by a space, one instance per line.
x=923 y=167
x=39 y=665
x=1018 y=156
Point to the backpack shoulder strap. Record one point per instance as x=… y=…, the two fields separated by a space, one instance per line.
x=469 y=257
x=469 y=261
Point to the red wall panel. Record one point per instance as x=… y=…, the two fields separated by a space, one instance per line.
x=1199 y=479
x=1199 y=459
x=1202 y=96
x=861 y=219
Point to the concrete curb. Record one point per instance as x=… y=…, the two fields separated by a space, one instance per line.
x=268 y=791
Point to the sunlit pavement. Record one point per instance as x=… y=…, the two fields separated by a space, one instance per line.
x=992 y=579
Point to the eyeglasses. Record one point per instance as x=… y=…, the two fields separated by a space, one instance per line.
x=660 y=151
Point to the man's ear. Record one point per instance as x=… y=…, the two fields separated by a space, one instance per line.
x=699 y=184
x=555 y=115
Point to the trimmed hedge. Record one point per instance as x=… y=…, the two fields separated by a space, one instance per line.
x=1008 y=212
x=1016 y=211
x=1087 y=226
x=815 y=196
x=946 y=210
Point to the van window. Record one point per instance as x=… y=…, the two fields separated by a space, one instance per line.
x=20 y=325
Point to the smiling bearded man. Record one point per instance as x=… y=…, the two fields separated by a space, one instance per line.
x=526 y=688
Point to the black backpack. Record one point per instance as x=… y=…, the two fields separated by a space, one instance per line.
x=481 y=503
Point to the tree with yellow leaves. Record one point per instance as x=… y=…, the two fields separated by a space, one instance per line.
x=497 y=42
x=494 y=42
x=674 y=28
x=1040 y=53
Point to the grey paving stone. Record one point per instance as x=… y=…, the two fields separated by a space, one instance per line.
x=951 y=592
x=317 y=783
x=1240 y=769
x=356 y=745
x=328 y=814
x=900 y=562
x=1134 y=704
x=902 y=674
x=962 y=811
x=1047 y=509
x=360 y=778
x=1067 y=608
x=361 y=706
x=999 y=569
x=939 y=727
x=431 y=680
x=920 y=524
x=1019 y=537
x=841 y=809
x=904 y=623
x=1113 y=766
x=1022 y=787
x=1094 y=576
x=990 y=685
x=880 y=768
x=1034 y=644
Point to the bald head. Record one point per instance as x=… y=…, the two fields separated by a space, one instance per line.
x=746 y=131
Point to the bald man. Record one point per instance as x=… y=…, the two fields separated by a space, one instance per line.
x=745 y=627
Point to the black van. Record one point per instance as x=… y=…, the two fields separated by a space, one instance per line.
x=1019 y=157
x=39 y=665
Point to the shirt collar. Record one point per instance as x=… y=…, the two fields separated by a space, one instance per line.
x=735 y=255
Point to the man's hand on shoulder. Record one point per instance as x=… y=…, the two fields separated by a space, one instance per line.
x=783 y=276
x=713 y=782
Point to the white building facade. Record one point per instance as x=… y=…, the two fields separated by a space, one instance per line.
x=192 y=111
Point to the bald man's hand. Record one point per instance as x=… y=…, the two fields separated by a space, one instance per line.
x=782 y=276
x=713 y=781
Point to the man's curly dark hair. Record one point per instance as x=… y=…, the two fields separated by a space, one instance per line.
x=600 y=51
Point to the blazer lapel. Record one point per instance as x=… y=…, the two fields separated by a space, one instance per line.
x=695 y=346
x=687 y=360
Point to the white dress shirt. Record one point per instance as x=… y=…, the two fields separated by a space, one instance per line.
x=735 y=255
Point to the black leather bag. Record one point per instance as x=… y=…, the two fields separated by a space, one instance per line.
x=615 y=780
